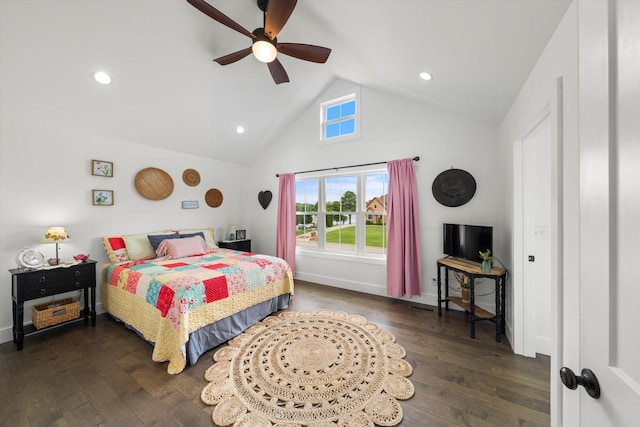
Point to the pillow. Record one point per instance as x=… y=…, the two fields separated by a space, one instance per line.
x=155 y=239
x=138 y=245
x=208 y=234
x=141 y=248
x=199 y=233
x=116 y=249
x=180 y=248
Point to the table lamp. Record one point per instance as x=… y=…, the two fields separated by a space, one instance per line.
x=56 y=235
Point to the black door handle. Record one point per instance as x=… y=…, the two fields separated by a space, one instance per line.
x=587 y=379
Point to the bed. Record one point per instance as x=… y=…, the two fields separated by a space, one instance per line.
x=184 y=295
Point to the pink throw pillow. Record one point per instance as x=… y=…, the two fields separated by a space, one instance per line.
x=180 y=248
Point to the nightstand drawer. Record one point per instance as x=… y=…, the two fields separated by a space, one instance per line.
x=44 y=291
x=79 y=272
x=41 y=278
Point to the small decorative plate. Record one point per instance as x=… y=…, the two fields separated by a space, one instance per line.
x=213 y=197
x=191 y=177
x=30 y=258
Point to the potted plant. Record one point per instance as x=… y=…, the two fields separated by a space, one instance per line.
x=487 y=260
x=465 y=284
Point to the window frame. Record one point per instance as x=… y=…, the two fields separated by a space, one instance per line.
x=360 y=214
x=323 y=106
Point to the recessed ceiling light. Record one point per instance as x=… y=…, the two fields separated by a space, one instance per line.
x=102 y=77
x=425 y=76
x=239 y=129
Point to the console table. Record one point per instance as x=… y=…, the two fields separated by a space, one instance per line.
x=474 y=270
x=27 y=284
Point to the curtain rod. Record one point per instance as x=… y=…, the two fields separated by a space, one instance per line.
x=415 y=159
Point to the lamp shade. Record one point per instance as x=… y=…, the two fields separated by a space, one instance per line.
x=56 y=235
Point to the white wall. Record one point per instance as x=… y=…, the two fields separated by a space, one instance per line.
x=45 y=180
x=559 y=59
x=392 y=128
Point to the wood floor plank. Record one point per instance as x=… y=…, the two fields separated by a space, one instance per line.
x=104 y=376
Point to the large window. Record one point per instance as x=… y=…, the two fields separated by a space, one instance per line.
x=340 y=118
x=343 y=213
x=307 y=193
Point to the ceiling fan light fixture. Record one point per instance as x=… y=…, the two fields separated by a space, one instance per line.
x=264 y=51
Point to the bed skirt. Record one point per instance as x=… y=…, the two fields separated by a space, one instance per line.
x=211 y=336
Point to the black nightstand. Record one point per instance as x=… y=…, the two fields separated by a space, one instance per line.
x=237 y=245
x=29 y=284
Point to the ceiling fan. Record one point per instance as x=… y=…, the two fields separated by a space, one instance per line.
x=265 y=45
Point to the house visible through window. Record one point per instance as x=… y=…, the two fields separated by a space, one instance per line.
x=344 y=213
x=339 y=119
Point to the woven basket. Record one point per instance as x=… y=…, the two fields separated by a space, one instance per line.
x=44 y=315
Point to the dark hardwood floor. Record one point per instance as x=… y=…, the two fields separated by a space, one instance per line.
x=104 y=376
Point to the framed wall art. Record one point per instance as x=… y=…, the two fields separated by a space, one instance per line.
x=102 y=197
x=241 y=234
x=102 y=168
x=190 y=204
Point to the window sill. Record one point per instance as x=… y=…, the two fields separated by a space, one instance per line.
x=364 y=259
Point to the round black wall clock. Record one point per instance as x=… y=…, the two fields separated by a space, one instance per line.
x=454 y=187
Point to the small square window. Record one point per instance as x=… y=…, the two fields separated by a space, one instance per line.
x=340 y=118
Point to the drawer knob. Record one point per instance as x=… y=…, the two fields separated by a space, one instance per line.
x=77 y=273
x=42 y=279
x=78 y=285
x=43 y=291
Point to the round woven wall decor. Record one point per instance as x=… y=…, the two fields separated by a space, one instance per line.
x=154 y=184
x=213 y=197
x=191 y=177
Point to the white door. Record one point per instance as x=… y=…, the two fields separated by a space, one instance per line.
x=536 y=186
x=609 y=212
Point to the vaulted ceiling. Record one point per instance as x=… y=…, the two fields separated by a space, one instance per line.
x=167 y=92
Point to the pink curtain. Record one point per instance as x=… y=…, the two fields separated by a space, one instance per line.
x=403 y=245
x=286 y=228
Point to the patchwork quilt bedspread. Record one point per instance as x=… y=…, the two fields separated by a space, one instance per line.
x=165 y=300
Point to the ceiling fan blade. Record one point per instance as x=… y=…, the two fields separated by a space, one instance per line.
x=306 y=52
x=233 y=57
x=214 y=13
x=277 y=72
x=277 y=14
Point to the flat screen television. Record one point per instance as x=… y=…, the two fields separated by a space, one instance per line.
x=466 y=241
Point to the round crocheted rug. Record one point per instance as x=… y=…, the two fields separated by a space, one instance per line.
x=319 y=369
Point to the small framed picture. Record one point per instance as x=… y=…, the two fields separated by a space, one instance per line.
x=102 y=197
x=190 y=204
x=241 y=234
x=102 y=168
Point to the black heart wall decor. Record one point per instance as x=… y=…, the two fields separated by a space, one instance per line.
x=264 y=198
